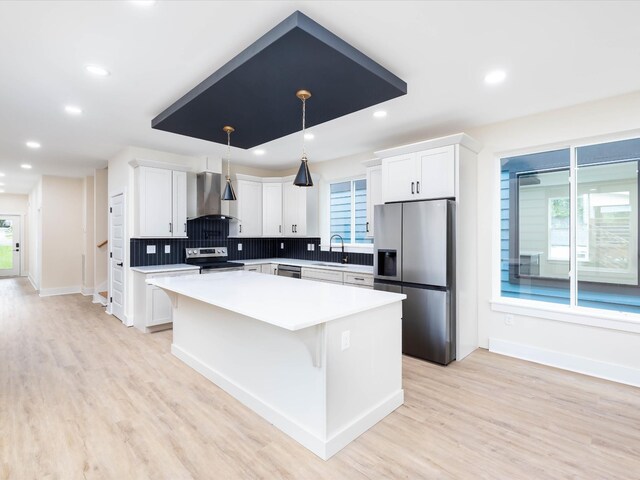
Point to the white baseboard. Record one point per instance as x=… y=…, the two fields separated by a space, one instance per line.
x=49 y=292
x=565 y=361
x=97 y=298
x=86 y=291
x=33 y=283
x=323 y=448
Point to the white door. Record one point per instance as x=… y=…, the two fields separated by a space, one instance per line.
x=437 y=173
x=155 y=198
x=117 y=256
x=179 y=204
x=10 y=245
x=374 y=195
x=399 y=177
x=272 y=209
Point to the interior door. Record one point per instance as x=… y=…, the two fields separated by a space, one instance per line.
x=116 y=229
x=10 y=245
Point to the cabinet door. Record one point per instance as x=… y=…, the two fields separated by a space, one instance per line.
x=301 y=203
x=289 y=208
x=272 y=209
x=155 y=198
x=160 y=306
x=179 y=204
x=374 y=195
x=399 y=178
x=253 y=268
x=437 y=173
x=249 y=208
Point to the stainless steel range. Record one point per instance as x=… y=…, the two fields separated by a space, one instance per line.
x=211 y=259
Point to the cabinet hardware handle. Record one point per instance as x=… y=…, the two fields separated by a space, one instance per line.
x=359 y=279
x=367 y=227
x=240 y=228
x=412 y=185
x=185 y=227
x=417 y=187
x=170 y=228
x=279 y=228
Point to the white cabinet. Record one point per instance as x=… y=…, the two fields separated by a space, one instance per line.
x=272 y=209
x=364 y=280
x=269 y=268
x=322 y=275
x=153 y=309
x=300 y=210
x=161 y=202
x=253 y=268
x=247 y=209
x=419 y=176
x=374 y=195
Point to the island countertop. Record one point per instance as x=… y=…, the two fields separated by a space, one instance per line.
x=289 y=303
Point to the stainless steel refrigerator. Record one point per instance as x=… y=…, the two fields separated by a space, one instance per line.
x=414 y=254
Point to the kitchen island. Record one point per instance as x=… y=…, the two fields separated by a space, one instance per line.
x=321 y=362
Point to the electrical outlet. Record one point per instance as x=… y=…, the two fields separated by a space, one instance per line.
x=308 y=247
x=508 y=320
x=313 y=247
x=239 y=247
x=346 y=339
x=151 y=249
x=167 y=249
x=281 y=245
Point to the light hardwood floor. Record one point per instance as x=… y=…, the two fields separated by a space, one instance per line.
x=82 y=396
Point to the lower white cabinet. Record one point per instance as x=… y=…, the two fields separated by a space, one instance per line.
x=358 y=279
x=364 y=280
x=268 y=268
x=152 y=308
x=253 y=268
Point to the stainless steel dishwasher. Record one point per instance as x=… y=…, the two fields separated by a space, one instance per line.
x=289 y=271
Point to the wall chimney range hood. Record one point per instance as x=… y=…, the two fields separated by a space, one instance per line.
x=208 y=196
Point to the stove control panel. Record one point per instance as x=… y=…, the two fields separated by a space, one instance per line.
x=206 y=252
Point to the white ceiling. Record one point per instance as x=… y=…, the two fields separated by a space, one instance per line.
x=555 y=53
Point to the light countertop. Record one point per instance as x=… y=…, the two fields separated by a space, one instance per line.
x=177 y=267
x=285 y=302
x=313 y=264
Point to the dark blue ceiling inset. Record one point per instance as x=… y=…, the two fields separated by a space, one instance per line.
x=256 y=91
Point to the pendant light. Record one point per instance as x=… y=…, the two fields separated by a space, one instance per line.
x=303 y=178
x=229 y=193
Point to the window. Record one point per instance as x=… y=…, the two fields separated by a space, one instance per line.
x=539 y=209
x=348 y=207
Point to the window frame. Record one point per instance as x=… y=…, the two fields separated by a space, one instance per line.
x=353 y=247
x=571 y=313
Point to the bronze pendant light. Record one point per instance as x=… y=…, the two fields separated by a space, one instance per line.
x=303 y=178
x=229 y=192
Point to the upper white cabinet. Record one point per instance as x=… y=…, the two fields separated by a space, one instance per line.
x=420 y=175
x=300 y=210
x=272 y=209
x=374 y=195
x=161 y=202
x=247 y=209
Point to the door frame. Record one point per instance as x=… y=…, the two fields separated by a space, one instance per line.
x=22 y=271
x=114 y=193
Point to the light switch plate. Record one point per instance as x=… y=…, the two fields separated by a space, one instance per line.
x=346 y=339
x=167 y=249
x=239 y=247
x=151 y=249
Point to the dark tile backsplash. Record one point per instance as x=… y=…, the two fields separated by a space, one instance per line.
x=204 y=232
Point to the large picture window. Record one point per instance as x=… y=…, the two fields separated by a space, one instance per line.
x=348 y=211
x=539 y=211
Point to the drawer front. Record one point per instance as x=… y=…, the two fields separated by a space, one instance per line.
x=363 y=279
x=253 y=268
x=327 y=275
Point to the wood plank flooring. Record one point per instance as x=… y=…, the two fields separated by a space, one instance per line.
x=82 y=396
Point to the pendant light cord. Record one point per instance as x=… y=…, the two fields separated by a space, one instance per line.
x=228 y=154
x=304 y=110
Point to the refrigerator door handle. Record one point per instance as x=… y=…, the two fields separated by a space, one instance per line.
x=412 y=185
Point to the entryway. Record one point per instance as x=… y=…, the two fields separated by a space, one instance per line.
x=10 y=245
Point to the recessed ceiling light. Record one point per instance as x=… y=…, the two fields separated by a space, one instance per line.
x=97 y=70
x=26 y=166
x=495 y=77
x=32 y=144
x=73 y=110
x=309 y=136
x=259 y=152
x=379 y=114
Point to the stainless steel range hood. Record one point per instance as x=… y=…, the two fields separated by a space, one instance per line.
x=208 y=196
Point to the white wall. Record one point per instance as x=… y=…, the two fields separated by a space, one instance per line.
x=100 y=217
x=62 y=235
x=35 y=235
x=88 y=234
x=16 y=204
x=590 y=349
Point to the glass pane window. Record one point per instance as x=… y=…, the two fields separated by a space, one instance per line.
x=6 y=244
x=348 y=210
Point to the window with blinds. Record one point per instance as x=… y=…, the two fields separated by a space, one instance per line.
x=349 y=210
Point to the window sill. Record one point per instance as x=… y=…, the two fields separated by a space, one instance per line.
x=349 y=248
x=609 y=319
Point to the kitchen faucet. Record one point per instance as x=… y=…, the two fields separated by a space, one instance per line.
x=345 y=258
